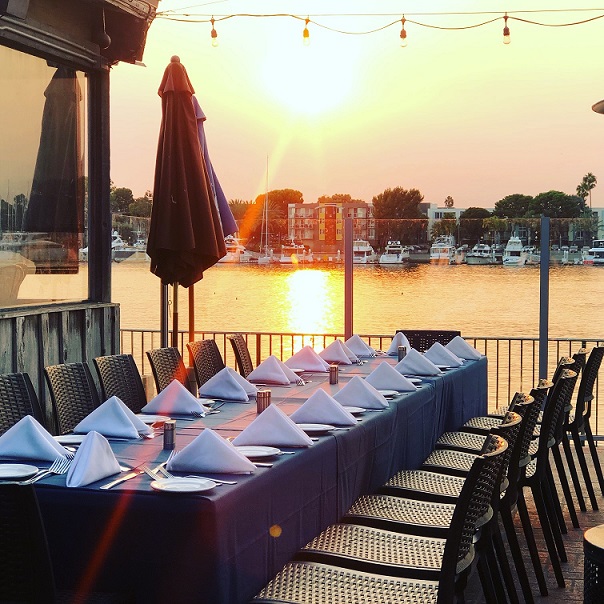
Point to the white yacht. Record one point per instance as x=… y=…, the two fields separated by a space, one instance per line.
x=533 y=255
x=362 y=252
x=294 y=253
x=442 y=250
x=514 y=254
x=394 y=253
x=595 y=254
x=236 y=251
x=481 y=253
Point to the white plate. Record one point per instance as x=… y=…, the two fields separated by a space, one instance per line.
x=415 y=380
x=70 y=439
x=152 y=419
x=444 y=367
x=298 y=371
x=183 y=485
x=16 y=470
x=257 y=452
x=389 y=392
x=355 y=410
x=315 y=428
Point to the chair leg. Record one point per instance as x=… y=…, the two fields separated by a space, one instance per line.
x=594 y=454
x=530 y=540
x=504 y=564
x=492 y=580
x=550 y=499
x=486 y=581
x=546 y=527
x=566 y=488
x=557 y=506
x=584 y=469
x=514 y=545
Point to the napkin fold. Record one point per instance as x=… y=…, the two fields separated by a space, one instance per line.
x=270 y=371
x=321 y=408
x=358 y=393
x=416 y=363
x=292 y=376
x=335 y=353
x=113 y=419
x=273 y=428
x=440 y=355
x=28 y=439
x=306 y=358
x=386 y=377
x=94 y=460
x=459 y=347
x=229 y=385
x=209 y=452
x=174 y=399
x=356 y=345
x=353 y=357
x=399 y=339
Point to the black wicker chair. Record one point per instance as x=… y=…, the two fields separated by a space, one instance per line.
x=119 y=376
x=422 y=339
x=242 y=354
x=18 y=399
x=207 y=359
x=167 y=365
x=73 y=394
x=26 y=573
x=353 y=562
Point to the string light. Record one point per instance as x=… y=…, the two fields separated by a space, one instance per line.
x=506 y=30
x=306 y=33
x=403 y=34
x=214 y=33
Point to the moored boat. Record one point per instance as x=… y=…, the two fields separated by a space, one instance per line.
x=514 y=254
x=294 y=253
x=442 y=251
x=362 y=252
x=481 y=253
x=595 y=254
x=236 y=251
x=394 y=253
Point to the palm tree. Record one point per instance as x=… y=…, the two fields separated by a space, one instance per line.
x=585 y=186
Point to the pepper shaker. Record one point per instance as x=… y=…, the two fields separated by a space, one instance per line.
x=169 y=434
x=333 y=374
x=402 y=351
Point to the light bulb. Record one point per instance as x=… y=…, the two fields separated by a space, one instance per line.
x=506 y=31
x=306 y=34
x=214 y=34
x=403 y=34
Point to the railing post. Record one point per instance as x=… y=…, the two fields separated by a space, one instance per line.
x=348 y=266
x=544 y=297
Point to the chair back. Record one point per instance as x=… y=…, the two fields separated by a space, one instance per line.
x=18 y=399
x=474 y=501
x=167 y=365
x=119 y=376
x=422 y=339
x=73 y=394
x=587 y=383
x=25 y=568
x=207 y=359
x=242 y=354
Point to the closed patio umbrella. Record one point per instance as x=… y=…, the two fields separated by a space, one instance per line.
x=185 y=235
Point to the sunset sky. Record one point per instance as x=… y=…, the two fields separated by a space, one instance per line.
x=455 y=113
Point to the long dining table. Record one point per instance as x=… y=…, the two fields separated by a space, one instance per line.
x=223 y=545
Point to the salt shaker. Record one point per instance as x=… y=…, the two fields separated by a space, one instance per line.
x=333 y=374
x=402 y=351
x=263 y=400
x=169 y=434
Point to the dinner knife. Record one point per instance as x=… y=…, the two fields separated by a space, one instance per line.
x=121 y=479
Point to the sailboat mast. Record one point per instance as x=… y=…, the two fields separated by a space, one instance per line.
x=266 y=211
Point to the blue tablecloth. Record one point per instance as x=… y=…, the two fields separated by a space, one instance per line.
x=222 y=546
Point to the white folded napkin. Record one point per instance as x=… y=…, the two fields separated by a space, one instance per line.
x=440 y=355
x=321 y=408
x=306 y=358
x=358 y=393
x=269 y=372
x=335 y=353
x=386 y=377
x=416 y=363
x=228 y=384
x=209 y=452
x=353 y=357
x=28 y=439
x=113 y=419
x=462 y=349
x=400 y=339
x=273 y=428
x=356 y=345
x=94 y=460
x=291 y=376
x=174 y=399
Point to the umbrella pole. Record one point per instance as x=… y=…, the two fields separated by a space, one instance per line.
x=191 y=320
x=164 y=316
x=175 y=316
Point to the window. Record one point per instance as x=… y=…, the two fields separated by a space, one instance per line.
x=42 y=181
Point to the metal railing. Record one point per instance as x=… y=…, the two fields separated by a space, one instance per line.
x=513 y=362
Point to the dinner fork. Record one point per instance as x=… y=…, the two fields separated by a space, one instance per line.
x=59 y=466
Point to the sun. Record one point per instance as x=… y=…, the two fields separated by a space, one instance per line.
x=309 y=80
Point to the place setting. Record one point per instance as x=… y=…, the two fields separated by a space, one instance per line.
x=227 y=386
x=173 y=402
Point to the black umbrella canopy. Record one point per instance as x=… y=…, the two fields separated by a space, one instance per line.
x=185 y=236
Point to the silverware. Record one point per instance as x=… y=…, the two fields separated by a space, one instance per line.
x=135 y=472
x=59 y=466
x=212 y=479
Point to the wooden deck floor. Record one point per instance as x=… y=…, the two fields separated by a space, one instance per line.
x=573 y=542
